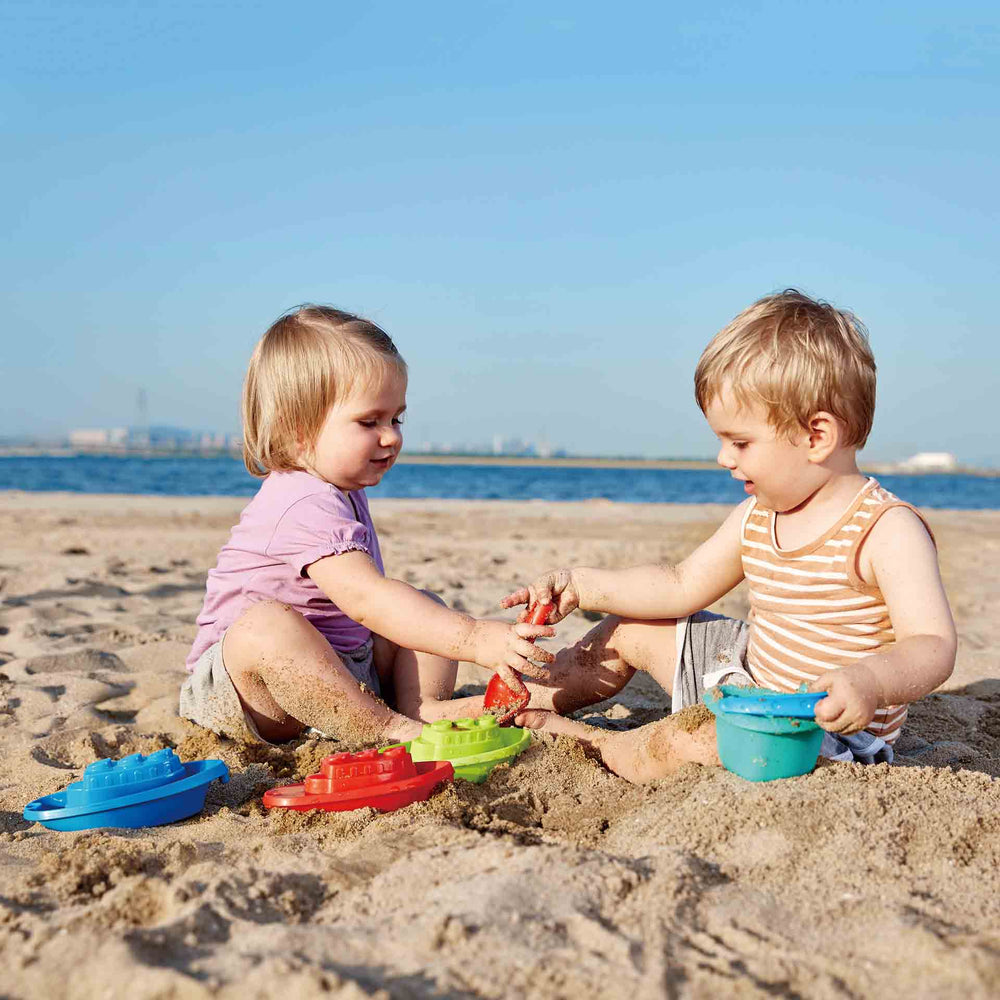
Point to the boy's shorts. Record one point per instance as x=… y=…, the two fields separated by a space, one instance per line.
x=209 y=698
x=712 y=649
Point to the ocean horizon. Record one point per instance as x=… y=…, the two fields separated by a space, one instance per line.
x=466 y=480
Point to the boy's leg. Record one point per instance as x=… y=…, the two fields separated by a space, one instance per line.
x=287 y=675
x=653 y=751
x=603 y=661
x=597 y=667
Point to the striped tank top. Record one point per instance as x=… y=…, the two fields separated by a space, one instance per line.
x=810 y=611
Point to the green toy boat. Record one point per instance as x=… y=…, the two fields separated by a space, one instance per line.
x=474 y=746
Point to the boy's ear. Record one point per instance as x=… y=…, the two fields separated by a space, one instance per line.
x=824 y=436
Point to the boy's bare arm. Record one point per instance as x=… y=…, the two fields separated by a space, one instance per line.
x=410 y=618
x=646 y=592
x=900 y=557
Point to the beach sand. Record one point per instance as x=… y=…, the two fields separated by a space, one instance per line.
x=552 y=879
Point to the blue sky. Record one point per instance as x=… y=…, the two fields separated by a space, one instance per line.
x=551 y=206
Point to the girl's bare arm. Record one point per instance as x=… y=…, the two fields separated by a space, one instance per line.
x=410 y=618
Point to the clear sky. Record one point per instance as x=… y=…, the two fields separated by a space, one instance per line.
x=550 y=206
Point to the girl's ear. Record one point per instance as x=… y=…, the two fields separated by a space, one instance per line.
x=302 y=448
x=824 y=436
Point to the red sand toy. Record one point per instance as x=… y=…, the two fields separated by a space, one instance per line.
x=384 y=781
x=499 y=698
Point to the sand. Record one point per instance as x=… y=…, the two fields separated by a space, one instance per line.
x=552 y=879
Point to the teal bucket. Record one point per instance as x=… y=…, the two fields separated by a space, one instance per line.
x=762 y=747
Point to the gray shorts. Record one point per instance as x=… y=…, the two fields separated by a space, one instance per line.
x=711 y=649
x=209 y=697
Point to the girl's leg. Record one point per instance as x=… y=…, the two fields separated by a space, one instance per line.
x=422 y=683
x=287 y=676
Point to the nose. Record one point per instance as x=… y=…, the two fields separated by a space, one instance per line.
x=725 y=458
x=391 y=437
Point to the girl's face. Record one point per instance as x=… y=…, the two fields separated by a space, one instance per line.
x=776 y=470
x=361 y=435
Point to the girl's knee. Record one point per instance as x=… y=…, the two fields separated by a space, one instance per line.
x=261 y=629
x=269 y=615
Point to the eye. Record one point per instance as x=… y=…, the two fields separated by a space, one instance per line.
x=398 y=420
x=367 y=423
x=740 y=445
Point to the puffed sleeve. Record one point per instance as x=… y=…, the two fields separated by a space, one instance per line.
x=319 y=525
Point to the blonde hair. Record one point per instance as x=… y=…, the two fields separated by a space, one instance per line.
x=798 y=357
x=309 y=359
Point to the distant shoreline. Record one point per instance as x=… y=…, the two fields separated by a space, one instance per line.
x=559 y=463
x=703 y=464
x=563 y=462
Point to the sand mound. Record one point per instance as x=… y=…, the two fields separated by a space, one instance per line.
x=552 y=879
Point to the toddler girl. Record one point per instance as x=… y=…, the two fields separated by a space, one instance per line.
x=300 y=627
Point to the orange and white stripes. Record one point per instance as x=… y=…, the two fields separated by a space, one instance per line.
x=810 y=611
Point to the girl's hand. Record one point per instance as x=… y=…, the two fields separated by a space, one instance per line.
x=853 y=695
x=556 y=587
x=505 y=648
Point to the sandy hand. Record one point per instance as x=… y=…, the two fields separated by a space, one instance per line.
x=853 y=696
x=555 y=588
x=508 y=695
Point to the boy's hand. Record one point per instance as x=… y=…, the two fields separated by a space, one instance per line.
x=853 y=695
x=556 y=587
x=505 y=648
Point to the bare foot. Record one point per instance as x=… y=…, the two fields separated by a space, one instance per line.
x=551 y=722
x=638 y=755
x=658 y=749
x=404 y=733
x=432 y=709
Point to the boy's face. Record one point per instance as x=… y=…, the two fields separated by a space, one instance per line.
x=774 y=469
x=361 y=436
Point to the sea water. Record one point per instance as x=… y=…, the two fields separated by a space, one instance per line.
x=224 y=475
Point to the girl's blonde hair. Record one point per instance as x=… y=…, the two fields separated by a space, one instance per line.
x=797 y=357
x=309 y=359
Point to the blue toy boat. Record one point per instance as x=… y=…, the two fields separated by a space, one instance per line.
x=133 y=792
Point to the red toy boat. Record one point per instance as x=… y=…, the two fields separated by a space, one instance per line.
x=384 y=781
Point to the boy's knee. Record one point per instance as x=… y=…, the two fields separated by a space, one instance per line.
x=648 y=645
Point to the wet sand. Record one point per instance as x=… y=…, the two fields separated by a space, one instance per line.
x=552 y=879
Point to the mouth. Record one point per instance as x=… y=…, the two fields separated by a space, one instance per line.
x=382 y=463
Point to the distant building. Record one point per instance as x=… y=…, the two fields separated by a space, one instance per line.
x=930 y=461
x=104 y=437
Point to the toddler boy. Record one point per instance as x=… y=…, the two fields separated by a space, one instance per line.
x=845 y=592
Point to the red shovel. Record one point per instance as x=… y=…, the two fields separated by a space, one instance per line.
x=499 y=698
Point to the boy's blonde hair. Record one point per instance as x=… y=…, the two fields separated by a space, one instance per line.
x=309 y=359
x=797 y=357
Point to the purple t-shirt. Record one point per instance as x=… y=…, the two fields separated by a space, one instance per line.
x=294 y=520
